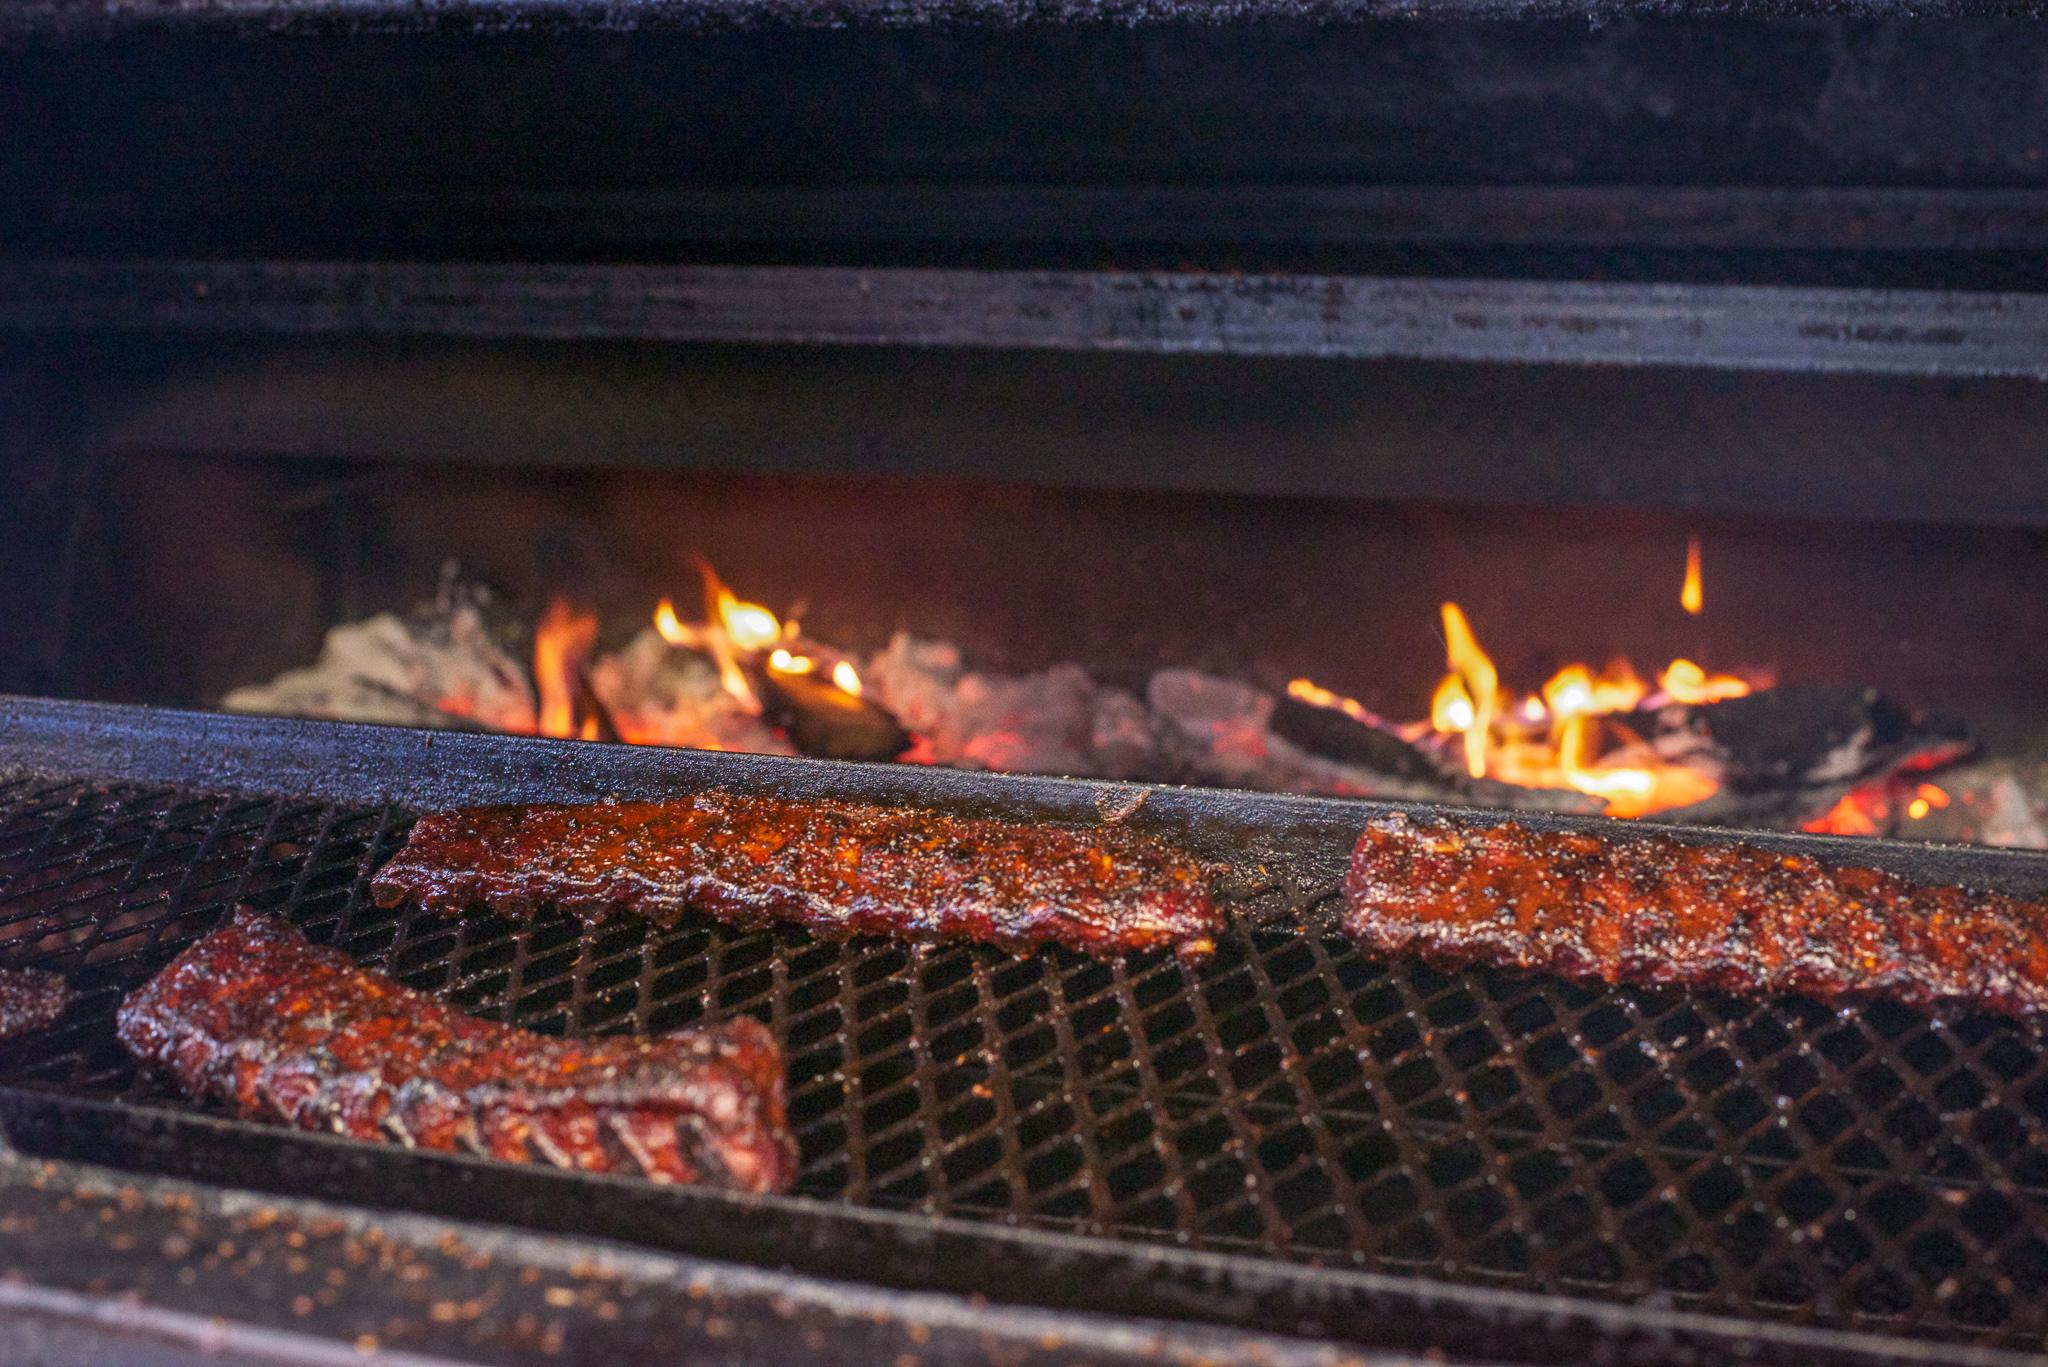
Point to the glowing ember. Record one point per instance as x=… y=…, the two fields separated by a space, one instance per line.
x=1926 y=798
x=1871 y=808
x=1308 y=692
x=1858 y=813
x=846 y=678
x=562 y=641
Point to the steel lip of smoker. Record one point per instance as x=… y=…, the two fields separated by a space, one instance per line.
x=1739 y=327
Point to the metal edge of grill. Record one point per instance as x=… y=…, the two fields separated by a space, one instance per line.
x=1287 y=853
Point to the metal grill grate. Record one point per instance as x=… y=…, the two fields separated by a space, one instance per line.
x=1864 y=1169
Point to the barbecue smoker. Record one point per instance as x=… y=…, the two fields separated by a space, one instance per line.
x=1176 y=367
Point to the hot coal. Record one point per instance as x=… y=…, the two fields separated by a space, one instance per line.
x=442 y=666
x=1051 y=721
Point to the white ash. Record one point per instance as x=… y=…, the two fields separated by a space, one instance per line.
x=442 y=669
x=658 y=695
x=2011 y=819
x=1054 y=721
x=1992 y=801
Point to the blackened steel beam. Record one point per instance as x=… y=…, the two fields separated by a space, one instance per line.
x=1905 y=332
x=140 y=1235
x=103 y=1266
x=68 y=18
x=1286 y=851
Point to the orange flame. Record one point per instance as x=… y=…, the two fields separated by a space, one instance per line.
x=1692 y=593
x=1683 y=681
x=1476 y=680
x=674 y=629
x=1563 y=736
x=562 y=640
x=736 y=633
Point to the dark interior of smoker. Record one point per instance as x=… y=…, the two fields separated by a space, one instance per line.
x=202 y=480
x=196 y=505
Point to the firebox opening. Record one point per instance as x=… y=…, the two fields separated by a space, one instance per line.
x=1335 y=645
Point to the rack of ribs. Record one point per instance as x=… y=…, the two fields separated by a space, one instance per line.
x=30 y=1001
x=279 y=1028
x=1651 y=910
x=840 y=868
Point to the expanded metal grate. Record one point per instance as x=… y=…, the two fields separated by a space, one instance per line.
x=1867 y=1169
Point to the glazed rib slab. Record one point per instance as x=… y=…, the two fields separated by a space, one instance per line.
x=839 y=868
x=1651 y=910
x=258 y=1016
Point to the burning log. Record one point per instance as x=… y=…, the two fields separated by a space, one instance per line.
x=1339 y=736
x=1222 y=731
x=1803 y=735
x=823 y=719
x=1788 y=755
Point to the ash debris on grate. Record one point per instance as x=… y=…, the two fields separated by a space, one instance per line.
x=1869 y=1169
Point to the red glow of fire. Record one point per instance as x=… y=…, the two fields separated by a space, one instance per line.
x=1872 y=808
x=1858 y=813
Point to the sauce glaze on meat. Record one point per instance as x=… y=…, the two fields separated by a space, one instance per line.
x=258 y=1016
x=840 y=868
x=1651 y=910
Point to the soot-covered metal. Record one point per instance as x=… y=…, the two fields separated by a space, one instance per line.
x=1326 y=1134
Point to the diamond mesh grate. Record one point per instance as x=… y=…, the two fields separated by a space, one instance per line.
x=1868 y=1169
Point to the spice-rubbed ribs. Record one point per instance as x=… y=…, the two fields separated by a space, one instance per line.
x=841 y=868
x=30 y=1000
x=1651 y=910
x=258 y=1016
